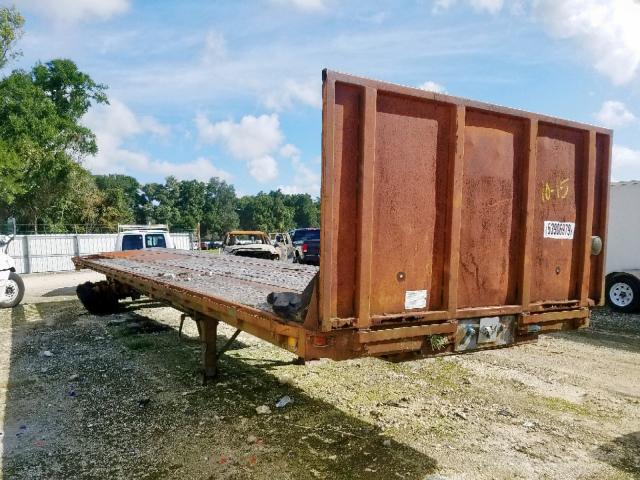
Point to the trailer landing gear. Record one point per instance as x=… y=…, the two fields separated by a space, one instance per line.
x=208 y=332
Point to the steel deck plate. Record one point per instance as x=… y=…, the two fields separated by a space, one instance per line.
x=239 y=280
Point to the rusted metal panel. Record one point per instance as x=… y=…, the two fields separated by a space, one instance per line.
x=600 y=212
x=343 y=175
x=452 y=240
x=412 y=142
x=490 y=247
x=554 y=316
x=365 y=208
x=561 y=166
x=529 y=196
x=462 y=194
x=406 y=332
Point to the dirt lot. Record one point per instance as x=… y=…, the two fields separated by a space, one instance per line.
x=120 y=397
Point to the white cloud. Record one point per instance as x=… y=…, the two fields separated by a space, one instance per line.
x=263 y=169
x=117 y=120
x=307 y=93
x=626 y=164
x=215 y=47
x=73 y=11
x=114 y=124
x=432 y=87
x=491 y=6
x=607 y=30
x=252 y=139
x=303 y=5
x=615 y=114
x=305 y=179
x=290 y=151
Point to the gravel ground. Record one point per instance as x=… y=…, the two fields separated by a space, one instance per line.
x=119 y=396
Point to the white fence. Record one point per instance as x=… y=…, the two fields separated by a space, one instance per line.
x=52 y=253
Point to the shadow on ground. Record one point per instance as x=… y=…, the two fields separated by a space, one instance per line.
x=609 y=329
x=120 y=397
x=623 y=453
x=61 y=292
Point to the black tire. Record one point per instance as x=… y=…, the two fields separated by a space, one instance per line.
x=623 y=292
x=98 y=298
x=17 y=283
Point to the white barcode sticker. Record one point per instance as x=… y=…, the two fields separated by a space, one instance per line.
x=415 y=299
x=562 y=230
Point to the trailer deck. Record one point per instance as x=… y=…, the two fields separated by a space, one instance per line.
x=230 y=279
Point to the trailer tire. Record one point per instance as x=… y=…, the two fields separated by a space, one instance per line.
x=623 y=292
x=98 y=298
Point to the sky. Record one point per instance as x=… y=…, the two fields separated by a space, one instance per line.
x=233 y=89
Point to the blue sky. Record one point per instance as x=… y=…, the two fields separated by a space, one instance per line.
x=233 y=89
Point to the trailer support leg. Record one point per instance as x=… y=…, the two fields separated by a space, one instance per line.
x=208 y=333
x=228 y=344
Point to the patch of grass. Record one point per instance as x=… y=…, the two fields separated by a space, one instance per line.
x=139 y=344
x=563 y=406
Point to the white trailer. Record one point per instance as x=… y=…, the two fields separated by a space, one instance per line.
x=623 y=247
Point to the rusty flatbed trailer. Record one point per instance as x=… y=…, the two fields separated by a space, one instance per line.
x=448 y=225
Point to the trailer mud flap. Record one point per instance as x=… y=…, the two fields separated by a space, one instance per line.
x=485 y=332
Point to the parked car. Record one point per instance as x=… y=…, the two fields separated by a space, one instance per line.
x=141 y=237
x=257 y=244
x=306 y=242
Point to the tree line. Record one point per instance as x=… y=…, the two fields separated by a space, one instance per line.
x=44 y=185
x=213 y=205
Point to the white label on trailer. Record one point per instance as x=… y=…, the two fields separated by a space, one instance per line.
x=415 y=299
x=562 y=230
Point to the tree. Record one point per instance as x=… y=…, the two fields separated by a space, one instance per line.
x=190 y=204
x=306 y=210
x=267 y=212
x=48 y=141
x=220 y=210
x=10 y=174
x=162 y=202
x=11 y=23
x=71 y=90
x=123 y=200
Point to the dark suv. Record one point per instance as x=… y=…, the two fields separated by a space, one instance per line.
x=306 y=242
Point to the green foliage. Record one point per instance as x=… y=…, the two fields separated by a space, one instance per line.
x=43 y=144
x=182 y=204
x=220 y=210
x=306 y=210
x=71 y=90
x=267 y=212
x=438 y=342
x=122 y=200
x=11 y=23
x=10 y=174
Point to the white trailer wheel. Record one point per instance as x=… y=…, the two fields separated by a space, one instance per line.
x=14 y=291
x=623 y=292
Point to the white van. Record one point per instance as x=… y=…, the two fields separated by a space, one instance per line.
x=142 y=237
